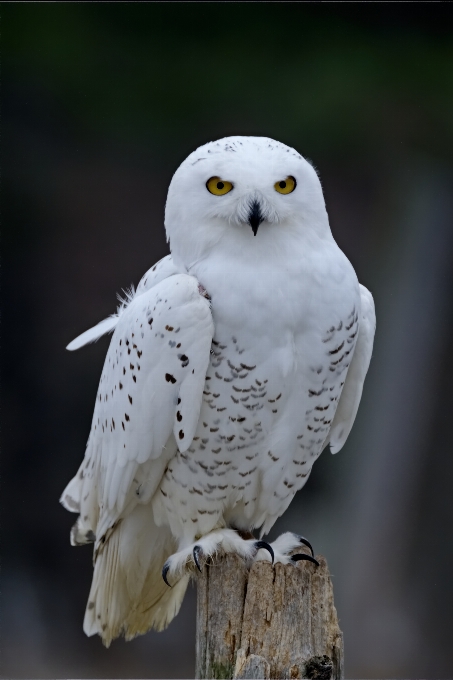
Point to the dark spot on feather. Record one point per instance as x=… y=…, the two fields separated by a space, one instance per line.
x=334 y=351
x=170 y=378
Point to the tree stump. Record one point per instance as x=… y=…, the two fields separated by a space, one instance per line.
x=270 y=622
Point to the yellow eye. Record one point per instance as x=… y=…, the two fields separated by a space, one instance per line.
x=285 y=186
x=218 y=186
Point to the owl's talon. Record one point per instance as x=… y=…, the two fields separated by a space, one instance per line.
x=197 y=551
x=307 y=543
x=265 y=546
x=165 y=569
x=304 y=556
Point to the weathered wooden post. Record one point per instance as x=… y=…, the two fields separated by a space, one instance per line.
x=270 y=622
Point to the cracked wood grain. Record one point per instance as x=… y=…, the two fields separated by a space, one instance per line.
x=270 y=622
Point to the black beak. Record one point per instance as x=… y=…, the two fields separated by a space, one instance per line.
x=255 y=216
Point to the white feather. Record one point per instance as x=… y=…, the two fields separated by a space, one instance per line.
x=158 y=356
x=352 y=390
x=93 y=334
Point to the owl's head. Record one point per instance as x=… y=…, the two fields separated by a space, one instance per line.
x=242 y=190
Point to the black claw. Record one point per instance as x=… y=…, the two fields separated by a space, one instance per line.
x=165 y=569
x=307 y=543
x=303 y=556
x=266 y=546
x=197 y=551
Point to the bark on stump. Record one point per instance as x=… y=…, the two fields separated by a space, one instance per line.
x=270 y=622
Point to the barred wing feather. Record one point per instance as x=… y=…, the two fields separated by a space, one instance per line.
x=353 y=387
x=151 y=386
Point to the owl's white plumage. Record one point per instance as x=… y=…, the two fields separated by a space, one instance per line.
x=211 y=413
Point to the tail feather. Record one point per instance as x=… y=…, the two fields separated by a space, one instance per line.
x=128 y=595
x=158 y=607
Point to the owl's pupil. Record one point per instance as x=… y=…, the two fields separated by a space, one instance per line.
x=220 y=185
x=282 y=185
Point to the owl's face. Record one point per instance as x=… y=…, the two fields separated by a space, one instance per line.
x=243 y=187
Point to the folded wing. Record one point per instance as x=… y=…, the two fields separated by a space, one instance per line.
x=352 y=390
x=151 y=386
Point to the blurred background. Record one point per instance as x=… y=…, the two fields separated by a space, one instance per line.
x=101 y=103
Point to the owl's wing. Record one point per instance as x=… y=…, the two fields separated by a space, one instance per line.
x=157 y=273
x=352 y=390
x=151 y=385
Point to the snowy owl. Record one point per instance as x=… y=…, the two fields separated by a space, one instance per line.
x=236 y=361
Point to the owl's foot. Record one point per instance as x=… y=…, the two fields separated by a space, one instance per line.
x=284 y=545
x=219 y=541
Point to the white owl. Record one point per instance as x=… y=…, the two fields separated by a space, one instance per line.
x=239 y=357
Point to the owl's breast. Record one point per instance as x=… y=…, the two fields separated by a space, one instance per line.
x=276 y=371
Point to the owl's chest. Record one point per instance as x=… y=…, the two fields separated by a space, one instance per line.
x=268 y=401
x=245 y=385
x=253 y=381
x=276 y=369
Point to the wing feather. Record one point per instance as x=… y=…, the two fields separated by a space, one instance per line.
x=93 y=334
x=352 y=390
x=151 y=385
